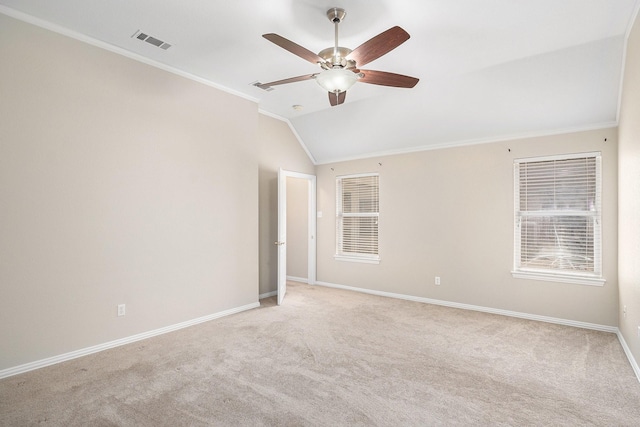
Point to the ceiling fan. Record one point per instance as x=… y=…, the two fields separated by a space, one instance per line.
x=340 y=65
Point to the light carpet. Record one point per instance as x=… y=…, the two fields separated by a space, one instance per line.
x=329 y=357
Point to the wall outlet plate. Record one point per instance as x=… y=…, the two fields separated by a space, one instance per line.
x=121 y=310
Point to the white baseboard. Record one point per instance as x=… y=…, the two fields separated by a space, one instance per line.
x=566 y=322
x=111 y=344
x=627 y=351
x=268 y=294
x=274 y=293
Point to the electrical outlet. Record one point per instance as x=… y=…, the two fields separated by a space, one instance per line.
x=638 y=331
x=437 y=280
x=121 y=309
x=624 y=311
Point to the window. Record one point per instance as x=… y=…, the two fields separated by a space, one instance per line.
x=357 y=211
x=558 y=218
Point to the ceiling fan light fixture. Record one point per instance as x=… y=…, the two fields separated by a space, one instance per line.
x=336 y=80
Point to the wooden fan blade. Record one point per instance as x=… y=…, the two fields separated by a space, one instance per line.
x=337 y=98
x=293 y=48
x=379 y=45
x=384 y=78
x=285 y=81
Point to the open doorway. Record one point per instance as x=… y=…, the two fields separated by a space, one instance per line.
x=297 y=229
x=302 y=208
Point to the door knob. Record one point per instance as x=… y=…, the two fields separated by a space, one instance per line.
x=278 y=243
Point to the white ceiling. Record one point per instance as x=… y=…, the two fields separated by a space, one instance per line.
x=488 y=69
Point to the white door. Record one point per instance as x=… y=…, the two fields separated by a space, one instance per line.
x=282 y=235
x=282 y=229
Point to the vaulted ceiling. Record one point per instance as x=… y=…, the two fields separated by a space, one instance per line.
x=488 y=69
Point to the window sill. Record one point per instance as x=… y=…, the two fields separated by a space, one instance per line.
x=563 y=278
x=364 y=260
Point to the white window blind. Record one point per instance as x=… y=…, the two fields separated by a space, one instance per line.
x=558 y=215
x=357 y=212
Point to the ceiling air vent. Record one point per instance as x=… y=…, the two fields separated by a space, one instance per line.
x=151 y=40
x=262 y=86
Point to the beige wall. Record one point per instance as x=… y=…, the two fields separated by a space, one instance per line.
x=279 y=148
x=119 y=183
x=629 y=196
x=449 y=213
x=297 y=227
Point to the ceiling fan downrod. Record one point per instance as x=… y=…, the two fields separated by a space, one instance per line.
x=336 y=15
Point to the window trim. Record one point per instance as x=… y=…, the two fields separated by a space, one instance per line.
x=354 y=257
x=364 y=259
x=588 y=278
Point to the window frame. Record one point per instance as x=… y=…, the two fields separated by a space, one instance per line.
x=594 y=278
x=340 y=254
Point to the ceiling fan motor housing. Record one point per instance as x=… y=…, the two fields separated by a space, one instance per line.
x=338 y=60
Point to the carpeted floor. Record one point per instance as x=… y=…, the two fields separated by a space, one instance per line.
x=329 y=357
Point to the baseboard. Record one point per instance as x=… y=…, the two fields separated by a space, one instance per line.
x=274 y=293
x=527 y=316
x=298 y=279
x=268 y=294
x=627 y=351
x=111 y=344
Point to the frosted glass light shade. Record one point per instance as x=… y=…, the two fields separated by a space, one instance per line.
x=336 y=80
